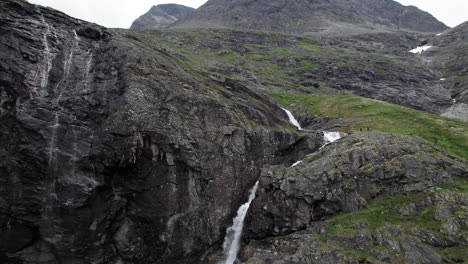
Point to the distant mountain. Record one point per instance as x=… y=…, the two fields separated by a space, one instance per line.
x=161 y=16
x=312 y=16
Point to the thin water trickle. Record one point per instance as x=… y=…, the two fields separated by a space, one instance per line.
x=47 y=55
x=232 y=239
x=87 y=70
x=52 y=143
x=62 y=84
x=74 y=156
x=292 y=119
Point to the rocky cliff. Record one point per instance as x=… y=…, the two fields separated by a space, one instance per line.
x=162 y=16
x=114 y=151
x=310 y=17
x=449 y=55
x=352 y=174
x=116 y=148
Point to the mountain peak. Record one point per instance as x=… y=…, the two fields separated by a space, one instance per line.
x=312 y=16
x=162 y=16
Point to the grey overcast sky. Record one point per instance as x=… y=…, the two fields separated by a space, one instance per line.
x=121 y=13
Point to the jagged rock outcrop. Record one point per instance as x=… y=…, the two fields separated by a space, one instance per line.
x=448 y=56
x=309 y=17
x=114 y=152
x=292 y=204
x=344 y=176
x=162 y=16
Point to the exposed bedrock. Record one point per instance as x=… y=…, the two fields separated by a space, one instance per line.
x=112 y=151
x=343 y=177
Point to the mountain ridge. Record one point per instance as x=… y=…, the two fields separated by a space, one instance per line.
x=311 y=17
x=161 y=16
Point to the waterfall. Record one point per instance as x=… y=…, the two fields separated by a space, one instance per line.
x=231 y=243
x=328 y=137
x=292 y=119
x=331 y=137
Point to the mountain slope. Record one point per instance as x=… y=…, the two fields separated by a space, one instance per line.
x=449 y=56
x=122 y=146
x=307 y=16
x=376 y=66
x=115 y=151
x=162 y=16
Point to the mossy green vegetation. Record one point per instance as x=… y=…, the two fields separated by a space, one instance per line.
x=385 y=215
x=362 y=113
x=270 y=239
x=376 y=214
x=270 y=61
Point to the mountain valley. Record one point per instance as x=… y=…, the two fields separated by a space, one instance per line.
x=140 y=145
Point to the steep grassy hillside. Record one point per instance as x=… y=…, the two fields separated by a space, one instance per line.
x=362 y=113
x=377 y=66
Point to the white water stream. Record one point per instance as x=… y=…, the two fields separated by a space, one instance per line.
x=331 y=137
x=328 y=137
x=292 y=119
x=232 y=239
x=47 y=55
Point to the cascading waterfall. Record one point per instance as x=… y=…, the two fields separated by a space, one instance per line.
x=292 y=119
x=231 y=243
x=331 y=137
x=328 y=137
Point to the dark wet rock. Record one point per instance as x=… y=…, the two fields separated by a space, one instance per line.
x=89 y=32
x=112 y=151
x=162 y=16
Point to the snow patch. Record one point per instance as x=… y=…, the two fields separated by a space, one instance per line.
x=419 y=50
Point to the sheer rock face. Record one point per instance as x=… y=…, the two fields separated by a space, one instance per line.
x=113 y=152
x=312 y=16
x=162 y=16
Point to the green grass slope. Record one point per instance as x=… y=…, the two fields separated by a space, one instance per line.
x=387 y=215
x=359 y=112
